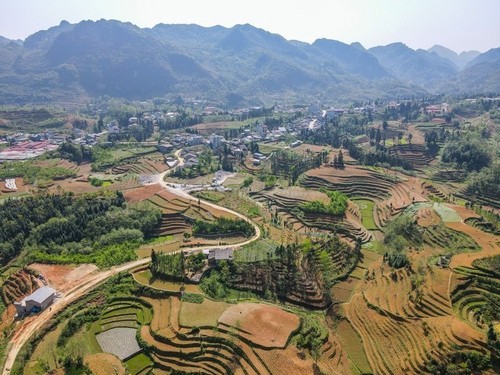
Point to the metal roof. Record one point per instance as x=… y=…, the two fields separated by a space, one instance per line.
x=41 y=294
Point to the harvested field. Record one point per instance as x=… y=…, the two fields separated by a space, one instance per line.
x=17 y=286
x=145 y=278
x=489 y=244
x=265 y=325
x=202 y=314
x=213 y=127
x=464 y=213
x=286 y=362
x=119 y=341
x=73 y=185
x=427 y=217
x=354 y=181
x=141 y=193
x=161 y=313
x=104 y=364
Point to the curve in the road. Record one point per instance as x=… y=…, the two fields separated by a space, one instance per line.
x=22 y=336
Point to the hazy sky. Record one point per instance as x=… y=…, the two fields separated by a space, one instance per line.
x=456 y=24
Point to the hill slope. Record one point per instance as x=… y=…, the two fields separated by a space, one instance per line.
x=74 y=61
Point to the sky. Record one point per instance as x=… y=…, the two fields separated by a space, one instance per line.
x=460 y=25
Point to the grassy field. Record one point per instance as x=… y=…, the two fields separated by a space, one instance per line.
x=267 y=148
x=354 y=347
x=158 y=240
x=447 y=214
x=146 y=278
x=45 y=353
x=211 y=196
x=201 y=314
x=256 y=251
x=138 y=363
x=366 y=207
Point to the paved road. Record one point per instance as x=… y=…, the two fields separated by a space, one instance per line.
x=28 y=330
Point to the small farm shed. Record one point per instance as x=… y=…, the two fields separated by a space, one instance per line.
x=36 y=302
x=216 y=255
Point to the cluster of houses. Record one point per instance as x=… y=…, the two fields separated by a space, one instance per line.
x=24 y=146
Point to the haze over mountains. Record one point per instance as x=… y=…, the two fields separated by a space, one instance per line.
x=238 y=64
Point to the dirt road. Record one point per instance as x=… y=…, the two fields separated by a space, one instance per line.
x=30 y=328
x=27 y=330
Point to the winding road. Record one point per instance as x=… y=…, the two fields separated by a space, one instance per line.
x=28 y=329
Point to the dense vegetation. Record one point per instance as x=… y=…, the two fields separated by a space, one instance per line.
x=223 y=226
x=486 y=182
x=67 y=228
x=287 y=272
x=167 y=266
x=337 y=205
x=466 y=153
x=31 y=172
x=291 y=165
x=401 y=234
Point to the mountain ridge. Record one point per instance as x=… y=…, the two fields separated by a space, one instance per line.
x=115 y=58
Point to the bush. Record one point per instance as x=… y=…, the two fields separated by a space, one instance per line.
x=167 y=266
x=337 y=205
x=192 y=298
x=223 y=226
x=466 y=153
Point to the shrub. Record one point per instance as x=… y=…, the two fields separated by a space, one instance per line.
x=192 y=298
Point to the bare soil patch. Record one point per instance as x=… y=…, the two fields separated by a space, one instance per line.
x=464 y=213
x=104 y=364
x=74 y=185
x=266 y=325
x=141 y=193
x=330 y=173
x=427 y=217
x=64 y=277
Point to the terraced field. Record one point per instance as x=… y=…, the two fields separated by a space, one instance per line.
x=285 y=201
x=354 y=181
x=476 y=296
x=414 y=153
x=117 y=326
x=229 y=341
x=17 y=286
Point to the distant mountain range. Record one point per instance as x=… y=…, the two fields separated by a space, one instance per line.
x=242 y=64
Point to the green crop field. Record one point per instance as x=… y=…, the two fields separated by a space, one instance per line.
x=366 y=207
x=256 y=251
x=447 y=214
x=138 y=363
x=354 y=347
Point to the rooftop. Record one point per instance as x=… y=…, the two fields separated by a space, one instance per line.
x=40 y=295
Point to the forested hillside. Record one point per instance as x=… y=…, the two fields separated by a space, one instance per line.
x=88 y=59
x=67 y=228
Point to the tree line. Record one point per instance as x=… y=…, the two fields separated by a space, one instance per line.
x=223 y=226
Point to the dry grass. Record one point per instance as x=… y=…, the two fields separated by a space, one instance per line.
x=104 y=364
x=265 y=325
x=146 y=278
x=201 y=314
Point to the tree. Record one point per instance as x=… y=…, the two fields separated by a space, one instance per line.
x=378 y=136
x=340 y=159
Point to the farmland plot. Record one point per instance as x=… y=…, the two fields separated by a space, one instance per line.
x=119 y=341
